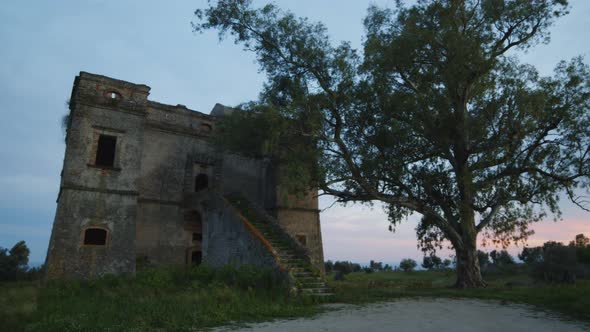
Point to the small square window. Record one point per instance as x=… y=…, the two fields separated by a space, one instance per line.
x=301 y=238
x=95 y=237
x=105 y=151
x=197 y=237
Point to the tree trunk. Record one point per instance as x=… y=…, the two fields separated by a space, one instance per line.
x=468 y=271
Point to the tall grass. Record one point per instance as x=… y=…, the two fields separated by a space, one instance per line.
x=189 y=300
x=170 y=300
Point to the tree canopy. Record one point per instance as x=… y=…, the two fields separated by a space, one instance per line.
x=13 y=262
x=434 y=116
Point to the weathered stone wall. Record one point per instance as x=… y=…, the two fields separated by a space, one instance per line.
x=166 y=181
x=230 y=242
x=103 y=197
x=248 y=176
x=300 y=216
x=160 y=236
x=67 y=254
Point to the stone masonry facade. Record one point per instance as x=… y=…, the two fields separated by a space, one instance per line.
x=142 y=185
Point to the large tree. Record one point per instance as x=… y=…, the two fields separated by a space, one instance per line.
x=436 y=116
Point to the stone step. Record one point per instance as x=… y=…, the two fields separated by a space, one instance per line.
x=263 y=228
x=296 y=261
x=299 y=269
x=310 y=279
x=288 y=257
x=318 y=295
x=284 y=249
x=302 y=275
x=286 y=252
x=322 y=290
x=318 y=284
x=310 y=283
x=282 y=246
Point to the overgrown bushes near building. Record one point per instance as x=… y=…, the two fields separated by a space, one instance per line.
x=555 y=262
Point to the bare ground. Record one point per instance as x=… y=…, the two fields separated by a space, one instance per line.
x=457 y=315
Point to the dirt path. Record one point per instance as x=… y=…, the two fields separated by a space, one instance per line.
x=426 y=315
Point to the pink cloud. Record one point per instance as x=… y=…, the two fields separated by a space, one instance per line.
x=359 y=233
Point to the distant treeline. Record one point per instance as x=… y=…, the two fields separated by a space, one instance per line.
x=14 y=264
x=554 y=262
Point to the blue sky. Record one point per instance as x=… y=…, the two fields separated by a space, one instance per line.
x=46 y=43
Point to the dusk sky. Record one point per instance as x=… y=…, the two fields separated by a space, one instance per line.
x=45 y=44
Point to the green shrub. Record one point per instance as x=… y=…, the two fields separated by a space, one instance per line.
x=346 y=267
x=583 y=254
x=532 y=255
x=108 y=280
x=202 y=273
x=483 y=259
x=328 y=266
x=408 y=264
x=243 y=277
x=251 y=277
x=559 y=265
x=339 y=275
x=226 y=275
x=155 y=278
x=13 y=263
x=501 y=258
x=583 y=271
x=432 y=262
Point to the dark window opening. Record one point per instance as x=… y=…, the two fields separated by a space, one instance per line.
x=196 y=257
x=302 y=239
x=193 y=225
x=193 y=218
x=201 y=182
x=105 y=151
x=95 y=236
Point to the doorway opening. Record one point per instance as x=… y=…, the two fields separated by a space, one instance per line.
x=196 y=257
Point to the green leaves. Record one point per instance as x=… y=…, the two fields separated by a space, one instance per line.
x=434 y=117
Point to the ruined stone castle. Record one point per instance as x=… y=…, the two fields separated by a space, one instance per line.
x=142 y=185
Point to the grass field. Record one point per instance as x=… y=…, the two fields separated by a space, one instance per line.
x=515 y=286
x=174 y=300
x=155 y=300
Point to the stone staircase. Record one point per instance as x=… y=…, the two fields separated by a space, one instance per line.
x=291 y=256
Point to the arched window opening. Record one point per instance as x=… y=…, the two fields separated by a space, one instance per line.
x=193 y=223
x=201 y=182
x=95 y=237
x=113 y=96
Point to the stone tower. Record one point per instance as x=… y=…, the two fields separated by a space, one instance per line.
x=141 y=184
